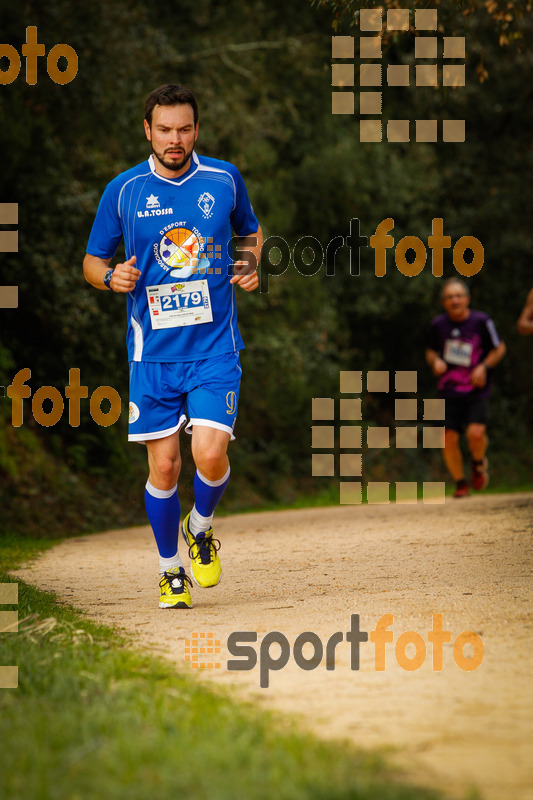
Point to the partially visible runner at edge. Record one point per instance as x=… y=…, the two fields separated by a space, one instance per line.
x=525 y=320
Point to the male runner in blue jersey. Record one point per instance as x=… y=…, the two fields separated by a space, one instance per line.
x=175 y=213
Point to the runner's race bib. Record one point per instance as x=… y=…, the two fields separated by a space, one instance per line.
x=458 y=352
x=174 y=305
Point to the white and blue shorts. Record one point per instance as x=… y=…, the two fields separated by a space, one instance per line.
x=165 y=396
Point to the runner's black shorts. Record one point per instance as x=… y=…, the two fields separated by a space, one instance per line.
x=461 y=411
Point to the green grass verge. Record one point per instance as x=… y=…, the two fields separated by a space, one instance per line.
x=16 y=549
x=93 y=718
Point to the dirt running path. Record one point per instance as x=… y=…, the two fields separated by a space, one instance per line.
x=309 y=570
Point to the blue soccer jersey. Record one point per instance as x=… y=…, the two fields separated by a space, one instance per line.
x=183 y=305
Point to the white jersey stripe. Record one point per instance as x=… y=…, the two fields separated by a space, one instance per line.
x=205 y=168
x=127 y=182
x=137 y=337
x=492 y=333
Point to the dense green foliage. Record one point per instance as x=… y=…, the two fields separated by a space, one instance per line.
x=261 y=72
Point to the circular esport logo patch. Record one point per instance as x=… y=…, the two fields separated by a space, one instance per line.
x=134 y=413
x=179 y=249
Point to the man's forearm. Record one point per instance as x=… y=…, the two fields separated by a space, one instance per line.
x=123 y=279
x=525 y=323
x=495 y=356
x=94 y=269
x=249 y=248
x=431 y=357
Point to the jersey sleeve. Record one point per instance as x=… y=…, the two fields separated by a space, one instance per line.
x=106 y=232
x=491 y=339
x=242 y=218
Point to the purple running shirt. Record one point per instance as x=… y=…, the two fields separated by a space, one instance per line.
x=462 y=345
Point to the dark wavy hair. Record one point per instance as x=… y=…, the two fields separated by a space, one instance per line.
x=170 y=94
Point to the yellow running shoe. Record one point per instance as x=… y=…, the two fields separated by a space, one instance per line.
x=205 y=563
x=174 y=590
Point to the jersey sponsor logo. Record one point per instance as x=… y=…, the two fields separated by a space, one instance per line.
x=181 y=251
x=155 y=212
x=206 y=202
x=152 y=202
x=134 y=413
x=231 y=402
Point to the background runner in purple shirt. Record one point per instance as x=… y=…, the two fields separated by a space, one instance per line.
x=462 y=349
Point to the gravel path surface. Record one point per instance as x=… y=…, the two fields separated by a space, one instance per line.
x=310 y=570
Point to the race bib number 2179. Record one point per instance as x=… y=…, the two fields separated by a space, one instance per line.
x=173 y=305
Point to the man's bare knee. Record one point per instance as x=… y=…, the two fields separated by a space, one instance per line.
x=167 y=467
x=212 y=463
x=164 y=461
x=476 y=434
x=451 y=438
x=209 y=451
